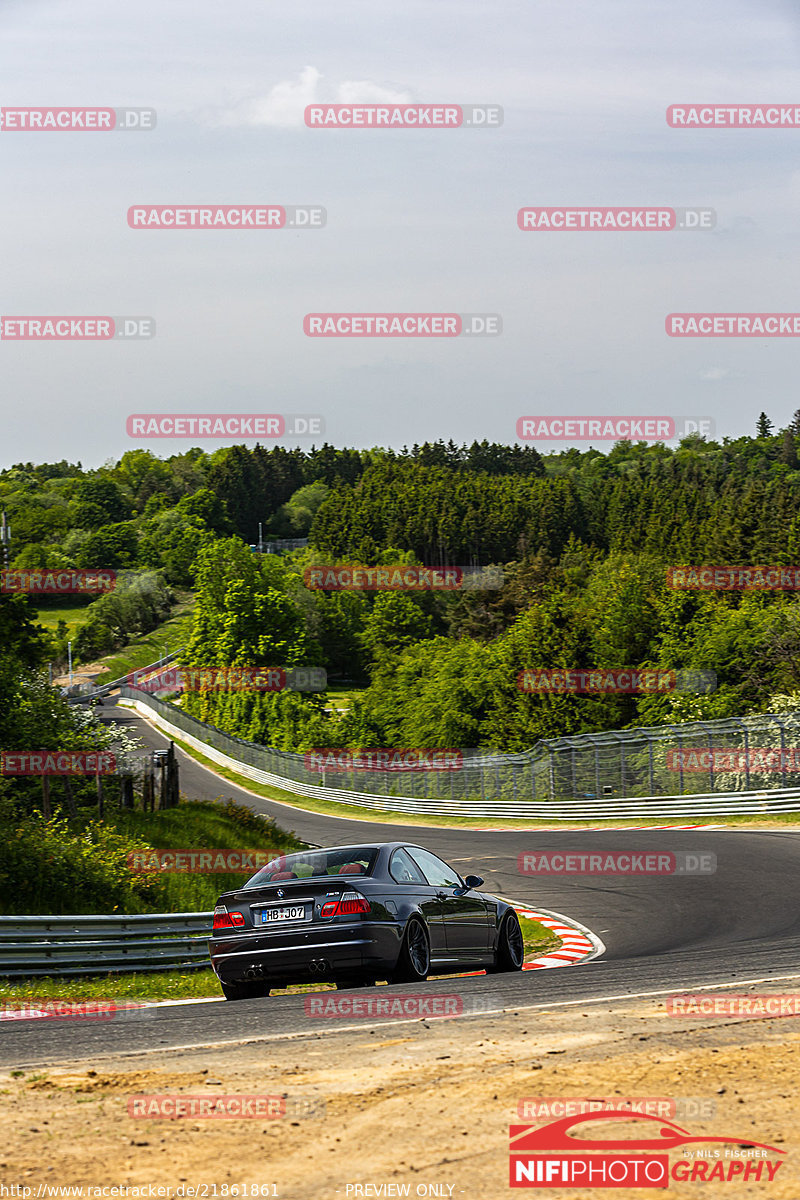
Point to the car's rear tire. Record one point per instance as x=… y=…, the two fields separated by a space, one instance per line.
x=509 y=953
x=414 y=960
x=246 y=990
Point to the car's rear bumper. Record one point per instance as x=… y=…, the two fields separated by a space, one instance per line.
x=311 y=953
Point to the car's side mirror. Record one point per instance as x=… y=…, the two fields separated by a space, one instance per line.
x=472 y=881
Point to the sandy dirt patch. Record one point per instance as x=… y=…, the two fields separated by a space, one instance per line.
x=425 y=1105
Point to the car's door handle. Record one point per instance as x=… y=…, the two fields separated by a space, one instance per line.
x=441 y=895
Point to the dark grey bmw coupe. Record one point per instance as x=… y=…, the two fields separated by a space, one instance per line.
x=352 y=915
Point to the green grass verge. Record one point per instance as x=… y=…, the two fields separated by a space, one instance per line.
x=151 y=985
x=73 y=614
x=332 y=809
x=140 y=652
x=193 y=985
x=537 y=939
x=340 y=696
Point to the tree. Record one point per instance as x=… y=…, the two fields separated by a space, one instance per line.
x=396 y=621
x=788 y=453
x=295 y=518
x=110 y=547
x=764 y=426
x=104 y=493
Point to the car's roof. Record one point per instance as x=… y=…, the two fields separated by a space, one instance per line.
x=357 y=846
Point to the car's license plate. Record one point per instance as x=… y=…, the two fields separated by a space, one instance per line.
x=287 y=912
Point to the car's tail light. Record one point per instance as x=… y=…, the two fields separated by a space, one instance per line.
x=225 y=920
x=347 y=904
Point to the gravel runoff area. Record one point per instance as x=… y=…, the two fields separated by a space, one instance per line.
x=414 y=1107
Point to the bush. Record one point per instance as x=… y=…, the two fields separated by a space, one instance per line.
x=64 y=866
x=46 y=867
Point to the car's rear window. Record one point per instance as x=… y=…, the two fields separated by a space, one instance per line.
x=316 y=864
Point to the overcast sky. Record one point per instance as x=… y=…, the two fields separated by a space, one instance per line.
x=417 y=221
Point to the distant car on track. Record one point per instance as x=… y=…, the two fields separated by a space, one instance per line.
x=356 y=914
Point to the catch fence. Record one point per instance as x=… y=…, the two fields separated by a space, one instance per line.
x=700 y=759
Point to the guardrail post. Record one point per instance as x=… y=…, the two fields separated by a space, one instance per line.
x=173 y=785
x=746 y=760
x=101 y=807
x=71 y=808
x=126 y=790
x=148 y=789
x=163 y=797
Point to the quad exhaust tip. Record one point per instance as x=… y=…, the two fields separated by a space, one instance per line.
x=317 y=966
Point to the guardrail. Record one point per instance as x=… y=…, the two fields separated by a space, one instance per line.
x=92 y=945
x=210 y=742
x=95 y=693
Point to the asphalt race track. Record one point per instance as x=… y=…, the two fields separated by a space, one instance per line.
x=662 y=934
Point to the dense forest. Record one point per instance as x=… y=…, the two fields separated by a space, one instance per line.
x=583 y=540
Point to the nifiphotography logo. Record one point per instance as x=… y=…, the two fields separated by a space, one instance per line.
x=552 y=1156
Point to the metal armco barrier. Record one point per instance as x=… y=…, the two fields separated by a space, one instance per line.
x=509 y=772
x=106 y=688
x=92 y=945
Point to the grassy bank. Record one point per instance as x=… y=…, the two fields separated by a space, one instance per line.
x=74 y=615
x=88 y=862
x=140 y=652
